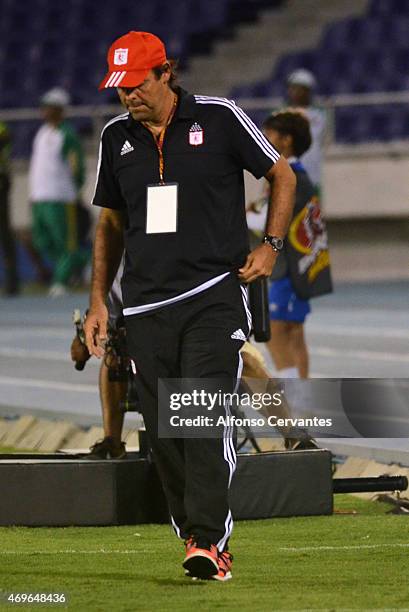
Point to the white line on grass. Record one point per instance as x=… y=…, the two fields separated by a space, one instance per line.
x=73 y=552
x=357 y=547
x=103 y=551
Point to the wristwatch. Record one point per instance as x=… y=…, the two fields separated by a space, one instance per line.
x=275 y=242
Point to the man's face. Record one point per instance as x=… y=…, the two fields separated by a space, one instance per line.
x=299 y=95
x=144 y=100
x=52 y=114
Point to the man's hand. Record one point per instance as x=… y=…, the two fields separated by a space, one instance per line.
x=257 y=206
x=95 y=328
x=259 y=263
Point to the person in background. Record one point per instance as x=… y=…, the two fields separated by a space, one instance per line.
x=7 y=240
x=56 y=176
x=302 y=269
x=301 y=85
x=113 y=393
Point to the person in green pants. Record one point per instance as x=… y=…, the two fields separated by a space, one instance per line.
x=56 y=176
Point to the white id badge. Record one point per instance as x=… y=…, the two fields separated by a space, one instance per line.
x=161 y=208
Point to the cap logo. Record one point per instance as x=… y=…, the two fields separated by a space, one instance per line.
x=120 y=56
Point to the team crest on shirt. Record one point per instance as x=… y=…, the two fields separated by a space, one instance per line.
x=196 y=135
x=120 y=56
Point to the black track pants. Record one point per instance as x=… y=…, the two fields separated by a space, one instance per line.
x=192 y=339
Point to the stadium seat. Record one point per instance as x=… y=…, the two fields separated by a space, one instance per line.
x=384 y=8
x=355 y=55
x=49 y=39
x=372 y=124
x=366 y=54
x=337 y=36
x=292 y=61
x=351 y=125
x=398 y=29
x=23 y=134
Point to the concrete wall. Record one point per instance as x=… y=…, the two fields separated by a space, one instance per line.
x=360 y=187
x=373 y=186
x=359 y=193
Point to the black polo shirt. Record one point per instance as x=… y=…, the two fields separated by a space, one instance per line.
x=211 y=237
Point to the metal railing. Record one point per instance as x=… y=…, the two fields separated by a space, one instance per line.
x=98 y=115
x=331 y=105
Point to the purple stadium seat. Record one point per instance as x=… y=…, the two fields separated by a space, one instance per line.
x=398 y=31
x=337 y=36
x=22 y=137
x=262 y=89
x=372 y=33
x=397 y=122
x=384 y=8
x=173 y=25
x=32 y=33
x=372 y=124
x=242 y=91
x=208 y=14
x=358 y=34
x=381 y=123
x=352 y=124
x=331 y=68
x=258 y=116
x=292 y=61
x=268 y=89
x=360 y=54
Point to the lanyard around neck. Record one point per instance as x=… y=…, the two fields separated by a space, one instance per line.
x=159 y=140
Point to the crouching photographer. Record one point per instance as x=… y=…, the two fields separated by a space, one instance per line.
x=114 y=376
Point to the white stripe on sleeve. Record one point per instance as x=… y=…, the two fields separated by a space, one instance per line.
x=246 y=122
x=122 y=117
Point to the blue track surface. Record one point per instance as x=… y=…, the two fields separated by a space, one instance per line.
x=362 y=330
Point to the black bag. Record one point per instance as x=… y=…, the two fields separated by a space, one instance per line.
x=259 y=308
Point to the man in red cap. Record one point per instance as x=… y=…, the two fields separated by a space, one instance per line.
x=170 y=184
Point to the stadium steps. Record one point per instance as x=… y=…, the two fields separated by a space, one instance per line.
x=13 y=430
x=252 y=53
x=30 y=433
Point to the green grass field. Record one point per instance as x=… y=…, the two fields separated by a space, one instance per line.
x=347 y=561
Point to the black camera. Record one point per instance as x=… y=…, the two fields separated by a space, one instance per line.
x=116 y=354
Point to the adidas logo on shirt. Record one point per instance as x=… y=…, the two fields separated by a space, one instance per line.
x=126 y=147
x=239 y=335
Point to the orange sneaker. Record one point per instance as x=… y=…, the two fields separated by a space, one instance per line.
x=225 y=563
x=201 y=559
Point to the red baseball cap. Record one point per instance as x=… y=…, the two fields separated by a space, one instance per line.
x=131 y=57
